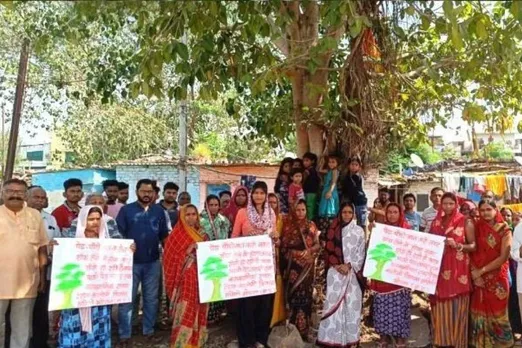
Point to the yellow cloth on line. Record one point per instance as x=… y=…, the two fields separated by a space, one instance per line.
x=497 y=184
x=517 y=208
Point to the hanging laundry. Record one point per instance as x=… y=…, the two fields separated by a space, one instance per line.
x=479 y=184
x=497 y=184
x=514 y=186
x=474 y=196
x=451 y=182
x=517 y=208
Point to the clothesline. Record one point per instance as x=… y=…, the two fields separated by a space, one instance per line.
x=471 y=186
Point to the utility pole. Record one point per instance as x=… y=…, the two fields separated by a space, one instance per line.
x=17 y=111
x=183 y=138
x=183 y=145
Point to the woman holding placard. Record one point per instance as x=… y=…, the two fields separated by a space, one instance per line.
x=345 y=252
x=216 y=227
x=279 y=310
x=391 y=303
x=450 y=303
x=189 y=328
x=90 y=326
x=299 y=249
x=255 y=313
x=489 y=323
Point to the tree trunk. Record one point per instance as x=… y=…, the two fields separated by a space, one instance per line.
x=308 y=87
x=300 y=126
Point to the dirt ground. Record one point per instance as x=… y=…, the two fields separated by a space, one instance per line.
x=220 y=335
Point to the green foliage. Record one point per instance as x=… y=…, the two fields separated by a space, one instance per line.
x=497 y=151
x=401 y=158
x=214 y=269
x=432 y=60
x=382 y=254
x=70 y=278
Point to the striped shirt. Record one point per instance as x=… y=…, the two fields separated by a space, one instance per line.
x=427 y=218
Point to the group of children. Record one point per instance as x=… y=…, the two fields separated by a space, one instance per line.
x=303 y=179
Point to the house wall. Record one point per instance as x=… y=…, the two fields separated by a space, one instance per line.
x=231 y=175
x=162 y=174
x=421 y=189
x=52 y=182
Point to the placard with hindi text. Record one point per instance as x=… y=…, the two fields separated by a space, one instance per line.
x=235 y=268
x=404 y=257
x=90 y=272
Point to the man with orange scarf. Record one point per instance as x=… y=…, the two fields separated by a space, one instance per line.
x=189 y=329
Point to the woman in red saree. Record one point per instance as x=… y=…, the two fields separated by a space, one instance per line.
x=239 y=200
x=450 y=304
x=489 y=264
x=391 y=303
x=189 y=327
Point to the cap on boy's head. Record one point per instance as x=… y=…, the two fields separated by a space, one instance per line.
x=67 y=184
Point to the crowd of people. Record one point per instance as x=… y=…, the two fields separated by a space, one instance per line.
x=317 y=214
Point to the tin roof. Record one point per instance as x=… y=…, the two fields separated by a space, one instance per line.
x=167 y=160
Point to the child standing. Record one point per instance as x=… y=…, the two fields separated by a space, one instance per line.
x=353 y=190
x=329 y=206
x=283 y=182
x=311 y=184
x=296 y=192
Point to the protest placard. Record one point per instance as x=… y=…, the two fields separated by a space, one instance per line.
x=235 y=268
x=90 y=272
x=404 y=257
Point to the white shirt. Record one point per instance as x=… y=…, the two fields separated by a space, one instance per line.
x=53 y=231
x=427 y=218
x=515 y=255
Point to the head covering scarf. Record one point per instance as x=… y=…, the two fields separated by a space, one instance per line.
x=260 y=222
x=402 y=222
x=334 y=239
x=230 y=212
x=175 y=248
x=85 y=312
x=277 y=210
x=377 y=285
x=454 y=278
x=468 y=204
x=489 y=242
x=210 y=217
x=454 y=220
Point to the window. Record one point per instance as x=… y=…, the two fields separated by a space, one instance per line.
x=423 y=201
x=35 y=155
x=215 y=189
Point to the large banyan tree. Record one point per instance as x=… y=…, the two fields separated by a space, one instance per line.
x=359 y=76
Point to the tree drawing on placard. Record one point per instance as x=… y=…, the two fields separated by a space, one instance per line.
x=69 y=279
x=382 y=254
x=214 y=269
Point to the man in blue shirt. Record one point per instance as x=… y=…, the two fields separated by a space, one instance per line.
x=413 y=218
x=146 y=224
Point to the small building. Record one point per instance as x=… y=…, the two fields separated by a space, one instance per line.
x=423 y=181
x=52 y=182
x=203 y=178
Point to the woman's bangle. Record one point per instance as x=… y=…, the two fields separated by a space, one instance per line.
x=460 y=247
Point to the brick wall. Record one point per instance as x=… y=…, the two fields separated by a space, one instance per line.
x=160 y=173
x=231 y=175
